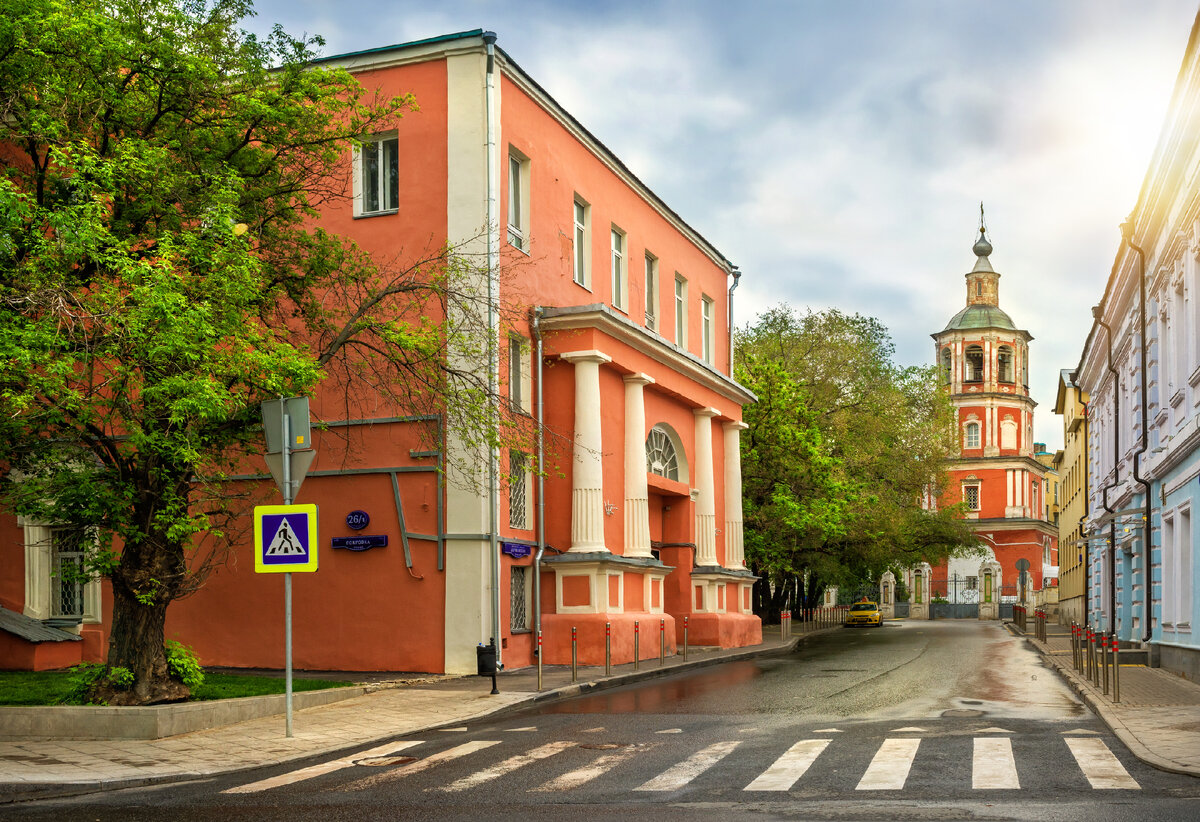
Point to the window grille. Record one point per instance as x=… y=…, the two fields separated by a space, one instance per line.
x=67 y=550
x=971 y=497
x=518 y=616
x=516 y=489
x=660 y=455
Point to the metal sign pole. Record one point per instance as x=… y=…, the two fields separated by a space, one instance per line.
x=287 y=578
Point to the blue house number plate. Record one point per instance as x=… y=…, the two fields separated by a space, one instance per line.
x=358 y=520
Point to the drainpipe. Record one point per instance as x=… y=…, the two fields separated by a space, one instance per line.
x=1148 y=631
x=535 y=328
x=1098 y=314
x=493 y=259
x=737 y=277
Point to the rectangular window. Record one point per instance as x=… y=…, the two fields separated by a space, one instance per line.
x=619 y=283
x=518 y=200
x=517 y=490
x=651 y=292
x=518 y=610
x=972 y=438
x=706 y=329
x=680 y=311
x=518 y=374
x=66 y=546
x=378 y=172
x=582 y=244
x=971 y=497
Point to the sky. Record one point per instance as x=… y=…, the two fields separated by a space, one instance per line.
x=837 y=151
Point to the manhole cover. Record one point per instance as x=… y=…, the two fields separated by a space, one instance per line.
x=962 y=712
x=603 y=746
x=381 y=761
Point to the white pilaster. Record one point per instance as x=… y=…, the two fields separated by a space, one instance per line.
x=637 y=512
x=735 y=554
x=706 y=504
x=587 y=467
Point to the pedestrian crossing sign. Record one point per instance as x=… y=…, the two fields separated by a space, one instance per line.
x=285 y=538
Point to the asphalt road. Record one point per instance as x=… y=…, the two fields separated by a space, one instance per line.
x=923 y=721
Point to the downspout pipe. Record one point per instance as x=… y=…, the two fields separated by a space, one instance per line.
x=493 y=261
x=536 y=330
x=1147 y=533
x=737 y=278
x=1098 y=314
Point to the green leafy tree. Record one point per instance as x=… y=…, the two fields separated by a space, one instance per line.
x=876 y=437
x=162 y=273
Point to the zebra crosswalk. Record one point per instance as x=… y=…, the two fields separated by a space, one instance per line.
x=993 y=764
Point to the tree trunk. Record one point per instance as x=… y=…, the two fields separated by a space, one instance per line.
x=136 y=644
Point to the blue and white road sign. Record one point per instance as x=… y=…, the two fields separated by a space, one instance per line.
x=285 y=538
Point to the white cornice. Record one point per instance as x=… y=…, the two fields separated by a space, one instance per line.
x=603 y=319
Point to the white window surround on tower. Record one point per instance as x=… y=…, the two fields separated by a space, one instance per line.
x=971 y=437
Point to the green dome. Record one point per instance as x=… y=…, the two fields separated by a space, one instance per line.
x=980 y=316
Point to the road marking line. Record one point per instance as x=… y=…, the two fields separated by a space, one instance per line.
x=888 y=771
x=323 y=768
x=827 y=731
x=517 y=730
x=420 y=765
x=1080 y=731
x=909 y=729
x=677 y=777
x=993 y=766
x=1102 y=769
x=787 y=769
x=587 y=773
x=994 y=731
x=670 y=731
x=508 y=765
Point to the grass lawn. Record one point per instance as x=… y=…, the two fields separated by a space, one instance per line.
x=49 y=687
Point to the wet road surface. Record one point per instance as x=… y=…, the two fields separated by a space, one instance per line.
x=933 y=720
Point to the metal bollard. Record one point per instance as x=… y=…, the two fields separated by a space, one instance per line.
x=783 y=625
x=685 y=627
x=1074 y=645
x=636 y=653
x=608 y=649
x=662 y=642
x=1116 y=668
x=539 y=656
x=574 y=655
x=1104 y=657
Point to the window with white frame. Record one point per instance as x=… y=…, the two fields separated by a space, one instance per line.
x=57 y=587
x=377 y=175
x=519 y=374
x=518 y=610
x=681 y=288
x=664 y=454
x=706 y=329
x=518 y=200
x=518 y=489
x=582 y=242
x=651 y=292
x=620 y=279
x=1008 y=433
x=970 y=492
x=971 y=439
x=1177 y=570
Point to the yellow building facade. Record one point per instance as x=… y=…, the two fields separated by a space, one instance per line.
x=1071 y=404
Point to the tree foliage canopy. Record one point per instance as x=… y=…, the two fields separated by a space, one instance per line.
x=842 y=449
x=162 y=273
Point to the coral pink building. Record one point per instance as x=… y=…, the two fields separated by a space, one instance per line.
x=984 y=361
x=625 y=352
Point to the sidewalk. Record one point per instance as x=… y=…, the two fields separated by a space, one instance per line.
x=1158 y=717
x=38 y=769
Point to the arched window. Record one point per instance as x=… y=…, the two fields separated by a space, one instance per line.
x=664 y=454
x=1004 y=362
x=946 y=366
x=974 y=362
x=971 y=440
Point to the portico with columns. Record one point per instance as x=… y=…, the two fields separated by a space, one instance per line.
x=655 y=534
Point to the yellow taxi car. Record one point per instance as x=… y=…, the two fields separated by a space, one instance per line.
x=864 y=613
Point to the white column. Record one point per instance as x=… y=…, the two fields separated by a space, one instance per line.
x=735 y=554
x=587 y=467
x=637 y=512
x=706 y=504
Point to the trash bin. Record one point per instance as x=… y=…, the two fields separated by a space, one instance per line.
x=486 y=660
